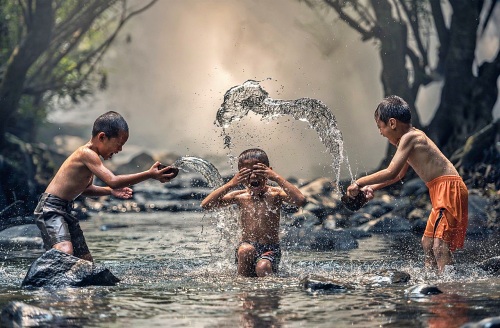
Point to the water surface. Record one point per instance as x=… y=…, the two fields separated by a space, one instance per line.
x=176 y=272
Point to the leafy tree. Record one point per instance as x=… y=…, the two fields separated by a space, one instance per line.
x=52 y=48
x=405 y=31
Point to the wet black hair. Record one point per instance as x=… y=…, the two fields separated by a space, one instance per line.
x=393 y=107
x=254 y=153
x=111 y=123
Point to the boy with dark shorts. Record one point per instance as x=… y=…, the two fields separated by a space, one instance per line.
x=60 y=229
x=447 y=223
x=258 y=253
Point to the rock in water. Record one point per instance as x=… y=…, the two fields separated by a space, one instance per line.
x=422 y=291
x=492 y=265
x=19 y=314
x=58 y=269
x=493 y=322
x=321 y=284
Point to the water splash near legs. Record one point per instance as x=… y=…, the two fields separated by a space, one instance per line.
x=250 y=96
x=224 y=219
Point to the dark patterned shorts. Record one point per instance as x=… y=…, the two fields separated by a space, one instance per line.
x=53 y=218
x=270 y=252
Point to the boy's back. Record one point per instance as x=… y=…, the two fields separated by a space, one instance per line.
x=423 y=156
x=73 y=177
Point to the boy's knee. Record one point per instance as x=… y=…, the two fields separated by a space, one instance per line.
x=246 y=250
x=64 y=246
x=264 y=268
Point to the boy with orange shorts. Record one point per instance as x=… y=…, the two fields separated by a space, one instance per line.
x=447 y=223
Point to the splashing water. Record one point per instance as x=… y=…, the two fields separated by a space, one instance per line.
x=205 y=168
x=224 y=219
x=250 y=96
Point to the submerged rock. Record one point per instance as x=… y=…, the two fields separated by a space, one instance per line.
x=492 y=265
x=493 y=322
x=58 y=269
x=422 y=291
x=19 y=314
x=321 y=284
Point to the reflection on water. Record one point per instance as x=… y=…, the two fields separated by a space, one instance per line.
x=174 y=273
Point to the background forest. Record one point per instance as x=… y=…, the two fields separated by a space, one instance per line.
x=52 y=52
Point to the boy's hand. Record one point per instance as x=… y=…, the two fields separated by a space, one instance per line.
x=369 y=192
x=353 y=190
x=124 y=193
x=265 y=171
x=161 y=174
x=240 y=177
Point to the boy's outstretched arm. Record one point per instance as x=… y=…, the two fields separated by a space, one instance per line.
x=292 y=194
x=96 y=191
x=220 y=197
x=394 y=172
x=95 y=165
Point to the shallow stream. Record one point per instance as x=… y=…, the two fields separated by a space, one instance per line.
x=176 y=273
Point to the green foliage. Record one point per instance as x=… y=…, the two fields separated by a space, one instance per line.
x=69 y=68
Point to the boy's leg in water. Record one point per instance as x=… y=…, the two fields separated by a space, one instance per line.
x=429 y=259
x=264 y=268
x=67 y=247
x=64 y=246
x=441 y=250
x=246 y=257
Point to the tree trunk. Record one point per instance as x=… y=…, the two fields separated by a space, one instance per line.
x=392 y=34
x=34 y=44
x=455 y=117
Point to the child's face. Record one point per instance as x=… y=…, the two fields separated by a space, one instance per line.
x=111 y=146
x=255 y=181
x=386 y=130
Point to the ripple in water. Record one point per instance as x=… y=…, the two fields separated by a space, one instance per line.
x=250 y=96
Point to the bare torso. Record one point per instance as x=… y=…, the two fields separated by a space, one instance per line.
x=73 y=177
x=260 y=216
x=426 y=158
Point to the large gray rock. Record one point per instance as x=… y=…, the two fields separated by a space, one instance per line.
x=58 y=269
x=413 y=188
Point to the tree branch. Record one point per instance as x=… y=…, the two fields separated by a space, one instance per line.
x=412 y=17
x=365 y=34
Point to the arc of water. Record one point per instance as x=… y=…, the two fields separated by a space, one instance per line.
x=250 y=96
x=205 y=168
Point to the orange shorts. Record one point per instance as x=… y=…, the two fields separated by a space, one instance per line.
x=450 y=210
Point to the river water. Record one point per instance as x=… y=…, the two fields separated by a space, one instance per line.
x=176 y=273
